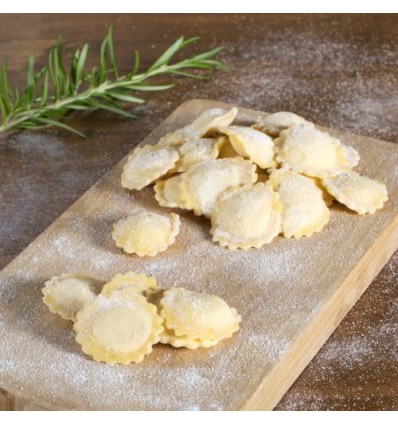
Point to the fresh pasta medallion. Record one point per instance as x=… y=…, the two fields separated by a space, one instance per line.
x=273 y=124
x=118 y=327
x=313 y=152
x=208 y=122
x=202 y=183
x=211 y=120
x=147 y=164
x=138 y=283
x=303 y=209
x=251 y=144
x=358 y=193
x=69 y=293
x=197 y=150
x=194 y=316
x=246 y=217
x=169 y=193
x=146 y=233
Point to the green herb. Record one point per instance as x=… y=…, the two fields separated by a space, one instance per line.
x=53 y=92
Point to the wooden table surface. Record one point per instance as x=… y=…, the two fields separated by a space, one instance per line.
x=337 y=70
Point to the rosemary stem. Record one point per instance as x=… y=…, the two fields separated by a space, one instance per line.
x=102 y=88
x=52 y=92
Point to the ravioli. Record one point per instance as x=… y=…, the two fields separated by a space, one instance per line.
x=118 y=327
x=69 y=293
x=175 y=138
x=147 y=164
x=203 y=182
x=211 y=120
x=273 y=124
x=313 y=152
x=197 y=150
x=303 y=209
x=358 y=193
x=207 y=123
x=246 y=217
x=139 y=283
x=146 y=233
x=251 y=144
x=169 y=193
x=196 y=320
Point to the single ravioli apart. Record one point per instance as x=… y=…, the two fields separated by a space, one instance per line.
x=139 y=283
x=303 y=209
x=69 y=293
x=201 y=185
x=358 y=193
x=196 y=320
x=147 y=164
x=197 y=150
x=313 y=152
x=246 y=217
x=273 y=124
x=146 y=233
x=251 y=144
x=118 y=327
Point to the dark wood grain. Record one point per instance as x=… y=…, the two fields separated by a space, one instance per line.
x=338 y=70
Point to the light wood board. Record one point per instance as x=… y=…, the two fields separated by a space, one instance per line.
x=291 y=294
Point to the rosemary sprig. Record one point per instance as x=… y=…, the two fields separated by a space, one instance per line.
x=53 y=92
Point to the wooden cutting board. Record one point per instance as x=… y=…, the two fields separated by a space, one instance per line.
x=291 y=294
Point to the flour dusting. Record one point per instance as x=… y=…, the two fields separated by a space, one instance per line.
x=278 y=290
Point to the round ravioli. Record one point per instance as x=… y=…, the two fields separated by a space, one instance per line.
x=196 y=317
x=211 y=120
x=251 y=144
x=358 y=193
x=303 y=209
x=314 y=153
x=69 y=293
x=169 y=192
x=147 y=164
x=146 y=233
x=118 y=327
x=201 y=185
x=273 y=124
x=246 y=217
x=138 y=283
x=198 y=150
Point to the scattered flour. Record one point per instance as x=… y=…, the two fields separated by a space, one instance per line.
x=266 y=286
x=330 y=82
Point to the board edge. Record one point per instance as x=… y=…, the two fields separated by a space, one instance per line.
x=276 y=384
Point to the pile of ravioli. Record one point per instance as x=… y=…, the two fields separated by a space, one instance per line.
x=278 y=176
x=119 y=321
